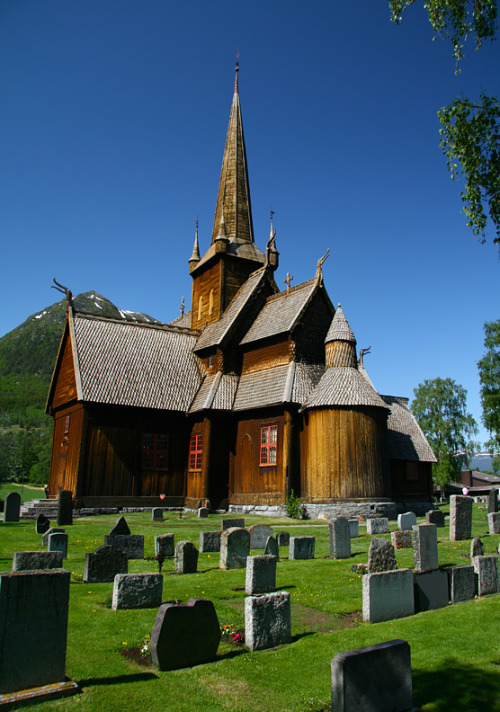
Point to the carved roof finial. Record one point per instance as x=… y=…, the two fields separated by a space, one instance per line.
x=64 y=290
x=287 y=281
x=182 y=306
x=195 y=257
x=319 y=268
x=237 y=69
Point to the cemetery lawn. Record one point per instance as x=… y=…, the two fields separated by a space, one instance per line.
x=455 y=651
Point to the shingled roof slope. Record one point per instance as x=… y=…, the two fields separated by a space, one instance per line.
x=121 y=363
x=344 y=386
x=281 y=312
x=405 y=438
x=217 y=392
x=263 y=388
x=339 y=328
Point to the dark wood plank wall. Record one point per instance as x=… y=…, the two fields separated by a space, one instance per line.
x=65 y=386
x=411 y=480
x=66 y=450
x=341 y=454
x=309 y=336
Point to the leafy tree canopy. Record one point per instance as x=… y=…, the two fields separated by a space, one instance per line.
x=441 y=411
x=489 y=378
x=470 y=130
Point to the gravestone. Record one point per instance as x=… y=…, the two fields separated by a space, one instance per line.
x=381 y=556
x=476 y=547
x=137 y=591
x=283 y=538
x=401 y=539
x=388 y=595
x=486 y=569
x=425 y=547
x=103 y=564
x=131 y=544
x=494 y=523
x=209 y=542
x=42 y=524
x=431 y=590
x=185 y=634
x=260 y=574
x=12 y=507
x=185 y=558
x=234 y=548
x=157 y=514
x=272 y=548
x=493 y=501
x=164 y=545
x=121 y=528
x=406 y=521
x=65 y=508
x=301 y=547
x=232 y=524
x=203 y=513
x=373 y=679
x=37 y=560
x=259 y=534
x=354 y=528
x=33 y=628
x=58 y=541
x=435 y=516
x=339 y=535
x=268 y=620
x=460 y=517
x=377 y=525
x=52 y=530
x=461 y=583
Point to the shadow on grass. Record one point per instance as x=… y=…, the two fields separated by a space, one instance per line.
x=118 y=680
x=458 y=687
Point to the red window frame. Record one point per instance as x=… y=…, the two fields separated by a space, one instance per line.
x=154 y=451
x=195 y=452
x=268 y=445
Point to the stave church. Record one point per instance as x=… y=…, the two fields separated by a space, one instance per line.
x=252 y=394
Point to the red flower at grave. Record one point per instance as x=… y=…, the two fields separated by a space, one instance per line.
x=162 y=496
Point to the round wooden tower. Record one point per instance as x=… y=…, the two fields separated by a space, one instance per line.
x=344 y=427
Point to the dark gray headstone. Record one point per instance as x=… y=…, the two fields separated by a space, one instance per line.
x=373 y=679
x=401 y=539
x=272 y=548
x=42 y=524
x=65 y=508
x=486 y=568
x=260 y=574
x=339 y=534
x=37 y=560
x=232 y=524
x=165 y=545
x=12 y=507
x=301 y=547
x=185 y=635
x=259 y=534
x=377 y=525
x=209 y=542
x=121 y=528
x=460 y=517
x=431 y=590
x=52 y=530
x=476 y=547
x=234 y=548
x=157 y=514
x=354 y=528
x=493 y=500
x=33 y=622
x=203 y=513
x=137 y=591
x=494 y=522
x=425 y=547
x=461 y=583
x=186 y=558
x=381 y=556
x=58 y=541
x=388 y=595
x=104 y=564
x=283 y=538
x=435 y=516
x=131 y=544
x=268 y=621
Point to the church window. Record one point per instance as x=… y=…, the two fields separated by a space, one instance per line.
x=268 y=445
x=200 y=307
x=412 y=471
x=195 y=452
x=211 y=302
x=154 y=451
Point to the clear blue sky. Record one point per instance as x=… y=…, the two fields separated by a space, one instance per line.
x=113 y=118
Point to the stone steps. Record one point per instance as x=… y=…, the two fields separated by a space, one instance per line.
x=31 y=510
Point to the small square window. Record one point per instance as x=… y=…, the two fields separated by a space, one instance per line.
x=154 y=451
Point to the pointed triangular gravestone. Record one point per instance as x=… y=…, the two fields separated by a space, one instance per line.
x=121 y=528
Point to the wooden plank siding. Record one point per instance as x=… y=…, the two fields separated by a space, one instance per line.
x=411 y=480
x=66 y=448
x=65 y=386
x=206 y=282
x=259 y=359
x=341 y=454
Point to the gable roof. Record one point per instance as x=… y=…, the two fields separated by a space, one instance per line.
x=405 y=438
x=130 y=364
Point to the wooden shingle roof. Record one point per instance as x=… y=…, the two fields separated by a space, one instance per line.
x=217 y=392
x=406 y=440
x=122 y=363
x=339 y=328
x=344 y=386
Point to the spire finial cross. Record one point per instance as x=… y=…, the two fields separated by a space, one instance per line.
x=287 y=281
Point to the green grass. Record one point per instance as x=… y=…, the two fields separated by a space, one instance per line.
x=27 y=492
x=455 y=651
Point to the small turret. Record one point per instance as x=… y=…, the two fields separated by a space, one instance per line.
x=340 y=344
x=195 y=257
x=272 y=255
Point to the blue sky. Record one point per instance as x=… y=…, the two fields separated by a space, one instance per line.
x=112 y=128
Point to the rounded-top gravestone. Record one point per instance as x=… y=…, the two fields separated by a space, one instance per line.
x=12 y=507
x=42 y=524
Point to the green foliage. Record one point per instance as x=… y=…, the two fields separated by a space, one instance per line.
x=441 y=411
x=470 y=136
x=489 y=378
x=294 y=507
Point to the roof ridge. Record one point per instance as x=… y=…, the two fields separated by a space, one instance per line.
x=296 y=288
x=160 y=326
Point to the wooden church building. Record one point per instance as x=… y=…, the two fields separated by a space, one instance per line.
x=252 y=394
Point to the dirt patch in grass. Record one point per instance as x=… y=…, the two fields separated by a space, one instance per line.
x=134 y=655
